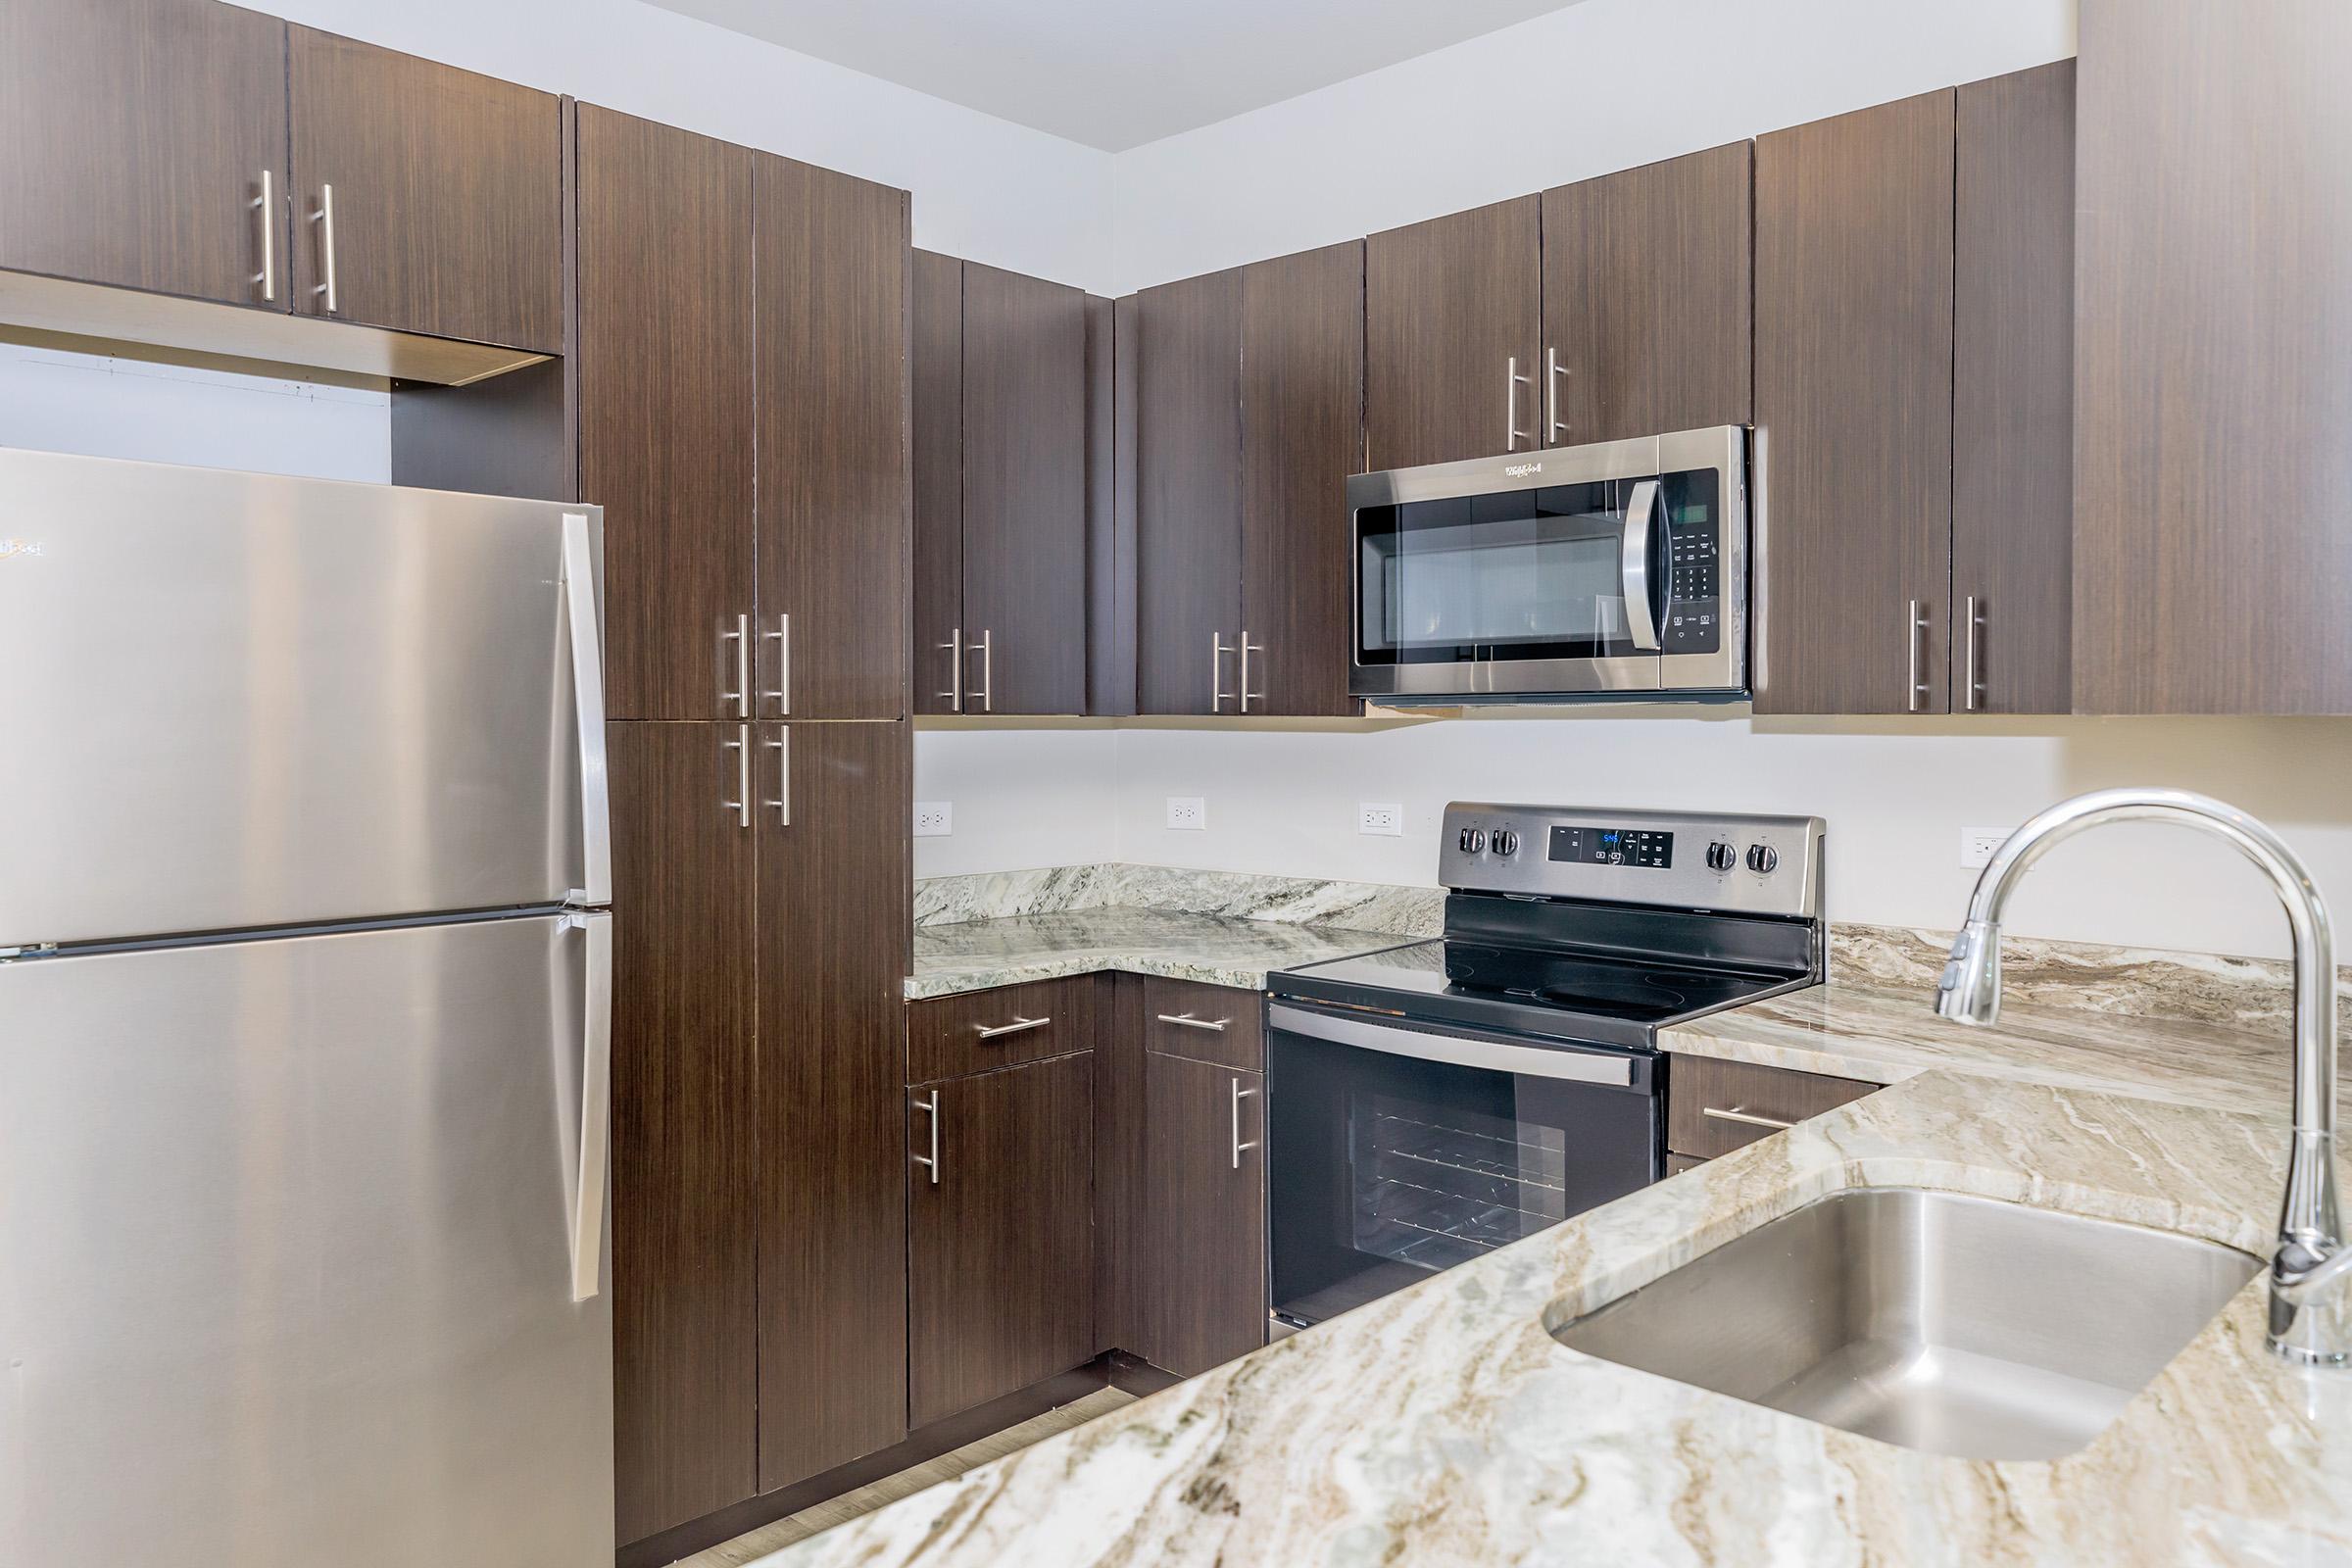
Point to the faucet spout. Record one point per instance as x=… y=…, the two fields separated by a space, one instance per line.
x=2310 y=1269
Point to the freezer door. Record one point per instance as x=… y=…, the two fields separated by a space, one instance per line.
x=238 y=700
x=289 y=1240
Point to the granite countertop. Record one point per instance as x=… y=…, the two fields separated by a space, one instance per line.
x=1444 y=1425
x=1214 y=949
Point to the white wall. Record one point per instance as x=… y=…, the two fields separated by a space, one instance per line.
x=1603 y=85
x=1023 y=798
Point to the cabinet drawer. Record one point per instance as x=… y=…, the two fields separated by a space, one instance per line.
x=1713 y=1107
x=1216 y=1024
x=948 y=1037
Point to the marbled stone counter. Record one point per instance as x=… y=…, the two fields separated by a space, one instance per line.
x=1216 y=950
x=1444 y=1426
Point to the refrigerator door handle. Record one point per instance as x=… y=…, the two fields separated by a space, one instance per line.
x=596 y=1105
x=588 y=696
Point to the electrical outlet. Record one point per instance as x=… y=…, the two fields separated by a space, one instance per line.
x=933 y=819
x=1977 y=846
x=1188 y=812
x=1386 y=821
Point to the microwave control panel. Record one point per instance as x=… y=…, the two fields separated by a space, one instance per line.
x=1694 y=563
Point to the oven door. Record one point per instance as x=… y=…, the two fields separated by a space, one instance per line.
x=1395 y=1151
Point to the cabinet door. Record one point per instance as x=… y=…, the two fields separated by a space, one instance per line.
x=685 y=1176
x=1645 y=299
x=2013 y=393
x=1000 y=1233
x=666 y=410
x=134 y=136
x=1024 y=494
x=2213 y=566
x=1204 y=1162
x=1854 y=411
x=1187 y=515
x=834 y=895
x=1302 y=407
x=446 y=195
x=1451 y=312
x=833 y=478
x=938 y=352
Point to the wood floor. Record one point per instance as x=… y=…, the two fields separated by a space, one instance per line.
x=849 y=1506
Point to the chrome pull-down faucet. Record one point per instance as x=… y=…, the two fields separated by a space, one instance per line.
x=2311 y=1272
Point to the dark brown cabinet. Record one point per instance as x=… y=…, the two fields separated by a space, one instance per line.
x=2214 y=255
x=686 y=1178
x=136 y=139
x=1646 y=292
x=667 y=410
x=1249 y=419
x=1713 y=1107
x=1853 y=469
x=832 y=487
x=830 y=807
x=999 y=1232
x=2013 y=391
x=1205 y=1237
x=1453 y=317
x=426 y=199
x=1188 y=483
x=1002 y=492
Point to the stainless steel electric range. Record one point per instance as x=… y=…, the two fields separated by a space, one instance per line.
x=1430 y=1102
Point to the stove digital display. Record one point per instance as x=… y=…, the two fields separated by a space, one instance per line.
x=1613 y=845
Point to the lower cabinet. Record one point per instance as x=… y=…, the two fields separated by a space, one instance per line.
x=1715 y=1107
x=999 y=1232
x=1205 y=1228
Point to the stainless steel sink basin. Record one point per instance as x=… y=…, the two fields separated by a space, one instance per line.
x=1954 y=1325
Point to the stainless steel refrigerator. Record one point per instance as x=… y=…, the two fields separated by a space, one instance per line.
x=305 y=957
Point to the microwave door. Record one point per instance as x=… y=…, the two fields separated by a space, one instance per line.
x=1591 y=618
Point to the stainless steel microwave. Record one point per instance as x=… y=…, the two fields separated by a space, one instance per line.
x=1617 y=569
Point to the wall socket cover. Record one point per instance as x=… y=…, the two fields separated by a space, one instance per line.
x=1978 y=845
x=1189 y=812
x=933 y=819
x=1387 y=819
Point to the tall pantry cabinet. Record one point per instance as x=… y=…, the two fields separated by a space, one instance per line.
x=743 y=419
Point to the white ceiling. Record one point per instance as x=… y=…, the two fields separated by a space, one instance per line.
x=1114 y=74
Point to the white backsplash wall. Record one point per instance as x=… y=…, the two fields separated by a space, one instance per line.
x=1023 y=798
x=1897 y=798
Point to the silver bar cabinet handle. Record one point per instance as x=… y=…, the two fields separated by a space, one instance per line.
x=953 y=649
x=1513 y=434
x=1247 y=648
x=741 y=746
x=1972 y=686
x=1017 y=1026
x=781 y=696
x=1213 y=1025
x=782 y=804
x=740 y=697
x=1239 y=1094
x=325 y=217
x=930 y=1107
x=596 y=1105
x=988 y=669
x=267 y=205
x=1554 y=369
x=1219 y=647
x=1744 y=1118
x=1914 y=622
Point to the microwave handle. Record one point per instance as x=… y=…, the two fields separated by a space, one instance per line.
x=1632 y=565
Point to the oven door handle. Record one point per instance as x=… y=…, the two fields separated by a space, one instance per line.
x=1632 y=565
x=1493 y=1056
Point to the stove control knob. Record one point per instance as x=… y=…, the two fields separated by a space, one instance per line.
x=1473 y=840
x=1762 y=858
x=1505 y=841
x=1722 y=858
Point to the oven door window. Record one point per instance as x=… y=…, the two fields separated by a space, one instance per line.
x=1385 y=1169
x=1519 y=574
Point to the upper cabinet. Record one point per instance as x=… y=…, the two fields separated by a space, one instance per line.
x=1249 y=419
x=1452 y=314
x=2213 y=263
x=1005 y=491
x=138 y=139
x=1646 y=290
x=426 y=199
x=1854 y=411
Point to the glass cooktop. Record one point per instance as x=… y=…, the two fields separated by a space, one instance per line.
x=1628 y=990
